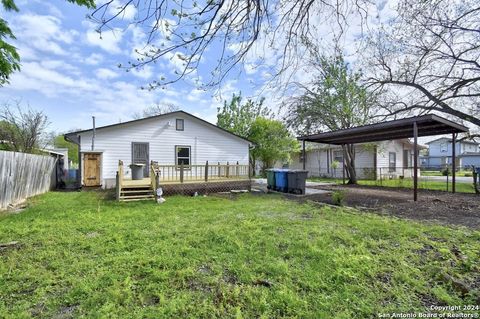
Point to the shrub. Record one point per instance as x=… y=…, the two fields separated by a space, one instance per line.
x=446 y=171
x=338 y=198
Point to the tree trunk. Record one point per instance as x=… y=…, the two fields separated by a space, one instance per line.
x=475 y=180
x=349 y=159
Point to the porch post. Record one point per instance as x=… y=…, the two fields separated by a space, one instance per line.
x=206 y=171
x=454 y=137
x=415 y=161
x=303 y=154
x=181 y=173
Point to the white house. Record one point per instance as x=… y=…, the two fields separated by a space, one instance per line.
x=174 y=138
x=387 y=159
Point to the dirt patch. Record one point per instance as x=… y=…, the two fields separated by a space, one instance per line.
x=446 y=208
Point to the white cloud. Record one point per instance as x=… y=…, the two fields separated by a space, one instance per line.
x=108 y=40
x=43 y=33
x=196 y=95
x=93 y=59
x=145 y=72
x=48 y=81
x=106 y=74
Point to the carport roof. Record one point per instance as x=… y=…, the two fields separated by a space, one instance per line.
x=427 y=125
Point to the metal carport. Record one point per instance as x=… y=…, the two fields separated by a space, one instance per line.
x=412 y=127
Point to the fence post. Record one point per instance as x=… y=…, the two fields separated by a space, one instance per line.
x=206 y=171
x=446 y=170
x=236 y=170
x=181 y=173
x=227 y=173
x=219 y=174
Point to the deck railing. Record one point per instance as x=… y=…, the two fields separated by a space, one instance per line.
x=190 y=173
x=206 y=172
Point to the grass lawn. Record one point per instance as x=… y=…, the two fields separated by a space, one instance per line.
x=80 y=255
x=406 y=183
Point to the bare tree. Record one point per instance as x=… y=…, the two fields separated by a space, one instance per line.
x=23 y=130
x=185 y=30
x=156 y=109
x=427 y=59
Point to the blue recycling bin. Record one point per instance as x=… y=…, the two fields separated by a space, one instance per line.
x=281 y=180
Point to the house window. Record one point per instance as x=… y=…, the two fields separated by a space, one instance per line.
x=182 y=155
x=180 y=125
x=443 y=147
x=338 y=156
x=392 y=161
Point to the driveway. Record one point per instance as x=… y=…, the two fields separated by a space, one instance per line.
x=458 y=179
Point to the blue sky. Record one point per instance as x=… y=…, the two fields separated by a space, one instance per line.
x=71 y=73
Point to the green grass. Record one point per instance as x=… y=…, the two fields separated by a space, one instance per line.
x=406 y=183
x=207 y=257
x=423 y=184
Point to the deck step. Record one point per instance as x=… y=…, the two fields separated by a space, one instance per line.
x=138 y=196
x=128 y=199
x=137 y=191
x=137 y=186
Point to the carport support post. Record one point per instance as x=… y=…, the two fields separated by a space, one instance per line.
x=303 y=154
x=415 y=161
x=454 y=137
x=343 y=164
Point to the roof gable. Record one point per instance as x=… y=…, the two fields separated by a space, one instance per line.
x=449 y=140
x=139 y=121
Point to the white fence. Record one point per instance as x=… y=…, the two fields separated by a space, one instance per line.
x=24 y=175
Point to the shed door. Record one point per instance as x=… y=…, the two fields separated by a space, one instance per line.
x=91 y=168
x=140 y=155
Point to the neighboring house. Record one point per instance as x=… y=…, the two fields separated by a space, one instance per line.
x=440 y=153
x=176 y=138
x=387 y=159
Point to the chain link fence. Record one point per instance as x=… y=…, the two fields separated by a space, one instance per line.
x=434 y=178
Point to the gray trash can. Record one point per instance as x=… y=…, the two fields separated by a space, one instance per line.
x=137 y=171
x=297 y=180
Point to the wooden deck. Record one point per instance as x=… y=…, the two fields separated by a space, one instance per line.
x=201 y=179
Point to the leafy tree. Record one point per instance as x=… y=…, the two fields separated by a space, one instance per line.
x=9 y=57
x=273 y=142
x=23 y=130
x=59 y=141
x=335 y=100
x=237 y=117
x=157 y=109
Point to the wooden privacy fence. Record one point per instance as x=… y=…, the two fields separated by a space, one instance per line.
x=23 y=175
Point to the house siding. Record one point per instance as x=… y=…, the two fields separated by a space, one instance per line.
x=207 y=143
x=317 y=164
x=469 y=160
